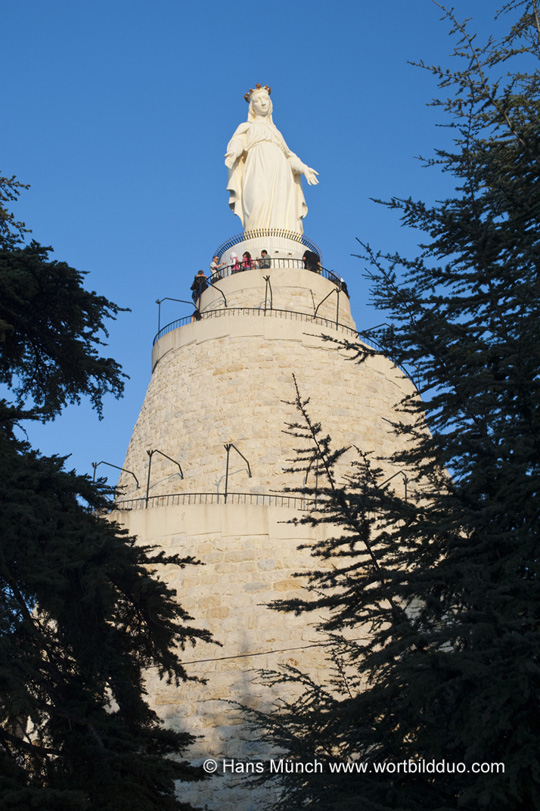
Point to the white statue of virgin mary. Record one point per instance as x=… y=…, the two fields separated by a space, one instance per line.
x=264 y=175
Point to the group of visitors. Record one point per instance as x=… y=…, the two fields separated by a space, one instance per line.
x=200 y=282
x=311 y=260
x=236 y=265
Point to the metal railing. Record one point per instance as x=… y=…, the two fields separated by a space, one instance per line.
x=292 y=315
x=262 y=233
x=364 y=336
x=183 y=499
x=269 y=263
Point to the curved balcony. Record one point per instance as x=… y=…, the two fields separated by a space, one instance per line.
x=187 y=498
x=291 y=315
x=271 y=262
x=267 y=233
x=285 y=290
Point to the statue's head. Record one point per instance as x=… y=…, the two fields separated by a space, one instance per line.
x=260 y=102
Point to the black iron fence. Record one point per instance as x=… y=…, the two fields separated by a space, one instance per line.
x=292 y=315
x=365 y=337
x=263 y=233
x=183 y=499
x=270 y=262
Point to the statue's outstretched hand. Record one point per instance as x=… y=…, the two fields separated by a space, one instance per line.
x=232 y=156
x=311 y=176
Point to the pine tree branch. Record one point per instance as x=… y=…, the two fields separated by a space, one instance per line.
x=486 y=86
x=536 y=16
x=31 y=748
x=349 y=516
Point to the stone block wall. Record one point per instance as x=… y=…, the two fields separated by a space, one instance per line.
x=290 y=288
x=250 y=558
x=229 y=379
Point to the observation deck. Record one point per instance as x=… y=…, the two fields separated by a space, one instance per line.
x=285 y=291
x=222 y=382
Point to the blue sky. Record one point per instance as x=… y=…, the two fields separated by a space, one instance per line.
x=118 y=114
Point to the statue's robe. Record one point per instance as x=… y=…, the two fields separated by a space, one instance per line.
x=265 y=182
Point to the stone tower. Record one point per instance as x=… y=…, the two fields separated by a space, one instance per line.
x=209 y=451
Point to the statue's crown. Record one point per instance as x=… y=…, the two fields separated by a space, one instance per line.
x=250 y=92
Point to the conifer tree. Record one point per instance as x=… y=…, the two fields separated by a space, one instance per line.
x=83 y=613
x=434 y=600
